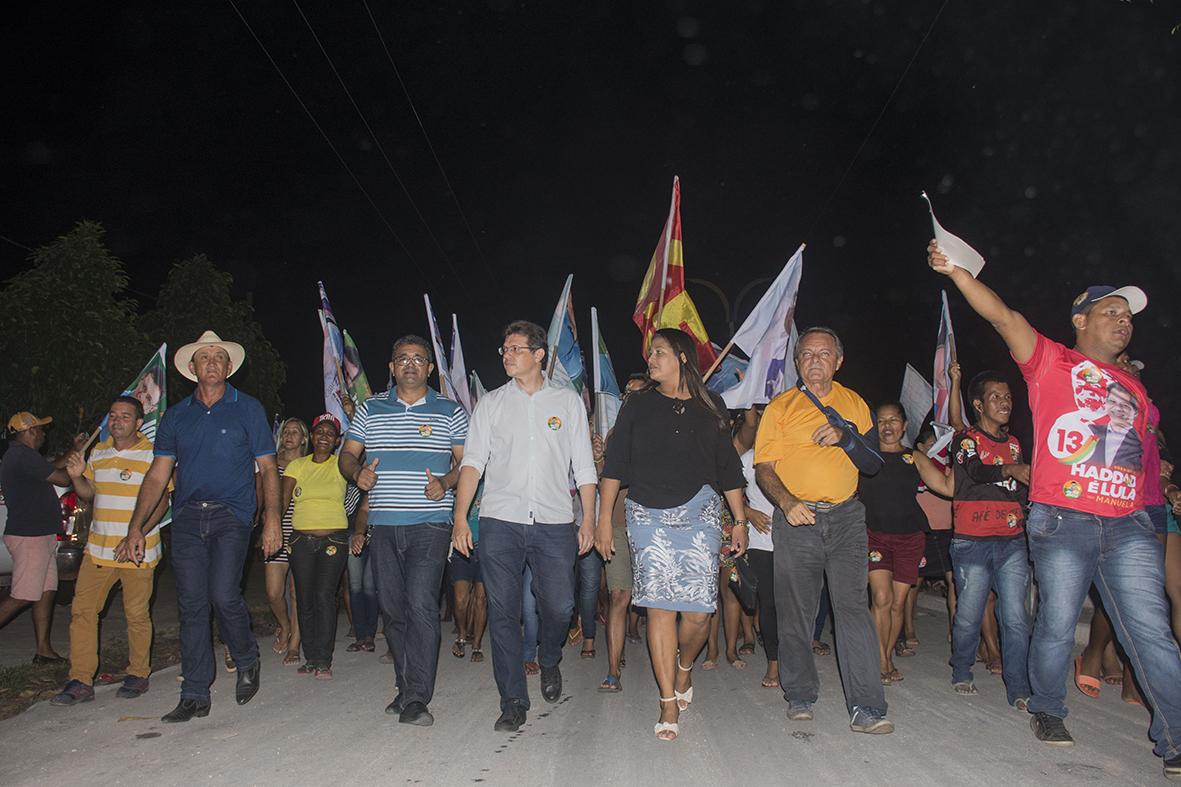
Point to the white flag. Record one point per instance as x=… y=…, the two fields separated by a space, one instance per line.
x=439 y=353
x=768 y=337
x=916 y=401
x=958 y=252
x=458 y=375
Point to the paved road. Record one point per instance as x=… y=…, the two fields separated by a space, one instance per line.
x=301 y=731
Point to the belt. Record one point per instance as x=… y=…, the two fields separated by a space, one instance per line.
x=821 y=505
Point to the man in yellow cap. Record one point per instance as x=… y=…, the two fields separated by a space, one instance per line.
x=34 y=522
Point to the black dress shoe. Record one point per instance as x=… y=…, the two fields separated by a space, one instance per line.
x=551 y=683
x=416 y=713
x=395 y=708
x=511 y=720
x=247 y=684
x=40 y=660
x=186 y=710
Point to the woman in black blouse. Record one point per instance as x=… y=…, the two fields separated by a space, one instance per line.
x=671 y=446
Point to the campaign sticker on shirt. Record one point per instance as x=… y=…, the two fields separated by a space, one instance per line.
x=425 y=430
x=875 y=556
x=554 y=423
x=330 y=550
x=1072 y=489
x=908 y=459
x=1011 y=520
x=124 y=475
x=298 y=491
x=1015 y=452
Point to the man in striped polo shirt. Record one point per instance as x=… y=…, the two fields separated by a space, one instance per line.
x=412 y=439
x=111 y=479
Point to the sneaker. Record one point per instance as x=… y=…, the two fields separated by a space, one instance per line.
x=798 y=710
x=1173 y=768
x=323 y=673
x=1050 y=730
x=75 y=691
x=870 y=720
x=133 y=686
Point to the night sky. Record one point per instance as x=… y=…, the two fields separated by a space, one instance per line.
x=1048 y=135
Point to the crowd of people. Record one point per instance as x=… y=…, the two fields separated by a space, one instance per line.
x=519 y=520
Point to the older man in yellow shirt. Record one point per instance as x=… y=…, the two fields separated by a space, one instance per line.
x=808 y=454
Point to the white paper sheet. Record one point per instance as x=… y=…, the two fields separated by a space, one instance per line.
x=958 y=252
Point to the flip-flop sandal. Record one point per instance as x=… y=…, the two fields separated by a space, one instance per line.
x=587 y=654
x=368 y=646
x=901 y=649
x=1113 y=680
x=911 y=642
x=1085 y=683
x=770 y=683
x=746 y=649
x=895 y=676
x=966 y=688
x=885 y=678
x=737 y=663
x=610 y=685
x=995 y=668
x=709 y=664
x=458 y=649
x=291 y=658
x=821 y=648
x=532 y=668
x=280 y=646
x=477 y=655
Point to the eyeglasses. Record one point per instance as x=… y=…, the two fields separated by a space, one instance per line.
x=516 y=349
x=417 y=360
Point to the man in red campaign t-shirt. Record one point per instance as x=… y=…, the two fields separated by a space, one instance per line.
x=1090 y=424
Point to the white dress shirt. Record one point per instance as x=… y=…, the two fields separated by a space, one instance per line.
x=526 y=447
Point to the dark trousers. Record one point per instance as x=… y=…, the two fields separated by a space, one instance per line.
x=363 y=594
x=763 y=562
x=408 y=563
x=549 y=551
x=317 y=563
x=209 y=546
x=835 y=547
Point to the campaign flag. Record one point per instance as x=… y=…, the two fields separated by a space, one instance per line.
x=458 y=379
x=334 y=390
x=916 y=401
x=440 y=356
x=729 y=372
x=150 y=387
x=663 y=301
x=944 y=358
x=564 y=355
x=608 y=398
x=276 y=429
x=354 y=374
x=768 y=337
x=478 y=389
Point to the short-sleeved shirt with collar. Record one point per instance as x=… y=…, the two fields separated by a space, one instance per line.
x=215 y=448
x=407 y=438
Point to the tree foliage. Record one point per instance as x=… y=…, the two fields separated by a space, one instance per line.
x=197 y=297
x=68 y=334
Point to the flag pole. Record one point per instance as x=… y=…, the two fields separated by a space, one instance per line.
x=668 y=234
x=705 y=377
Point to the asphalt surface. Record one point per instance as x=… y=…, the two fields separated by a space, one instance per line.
x=302 y=731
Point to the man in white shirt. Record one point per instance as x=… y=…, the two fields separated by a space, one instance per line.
x=526 y=438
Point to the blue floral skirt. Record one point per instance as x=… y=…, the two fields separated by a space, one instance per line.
x=675 y=553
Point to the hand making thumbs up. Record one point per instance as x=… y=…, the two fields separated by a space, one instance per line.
x=367 y=478
x=434 y=489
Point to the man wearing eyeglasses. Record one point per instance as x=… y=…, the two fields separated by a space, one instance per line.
x=412 y=441
x=526 y=439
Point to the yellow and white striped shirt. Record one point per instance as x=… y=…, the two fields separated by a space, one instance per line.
x=117 y=476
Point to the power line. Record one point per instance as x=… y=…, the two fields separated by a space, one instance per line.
x=381 y=149
x=877 y=120
x=14 y=243
x=451 y=189
x=327 y=140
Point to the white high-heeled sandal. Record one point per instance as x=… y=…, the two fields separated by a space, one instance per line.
x=683 y=698
x=667 y=726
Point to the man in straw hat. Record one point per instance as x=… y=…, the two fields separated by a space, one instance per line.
x=214 y=439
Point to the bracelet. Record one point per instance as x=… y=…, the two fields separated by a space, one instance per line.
x=742 y=523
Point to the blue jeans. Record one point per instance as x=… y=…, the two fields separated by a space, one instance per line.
x=363 y=595
x=530 y=619
x=589 y=570
x=506 y=549
x=1121 y=555
x=209 y=545
x=408 y=563
x=978 y=567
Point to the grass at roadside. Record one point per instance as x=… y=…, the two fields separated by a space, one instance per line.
x=24 y=685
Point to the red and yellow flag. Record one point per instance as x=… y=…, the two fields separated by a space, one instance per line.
x=663 y=301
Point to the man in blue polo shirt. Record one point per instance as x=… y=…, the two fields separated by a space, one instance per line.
x=412 y=439
x=214 y=438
